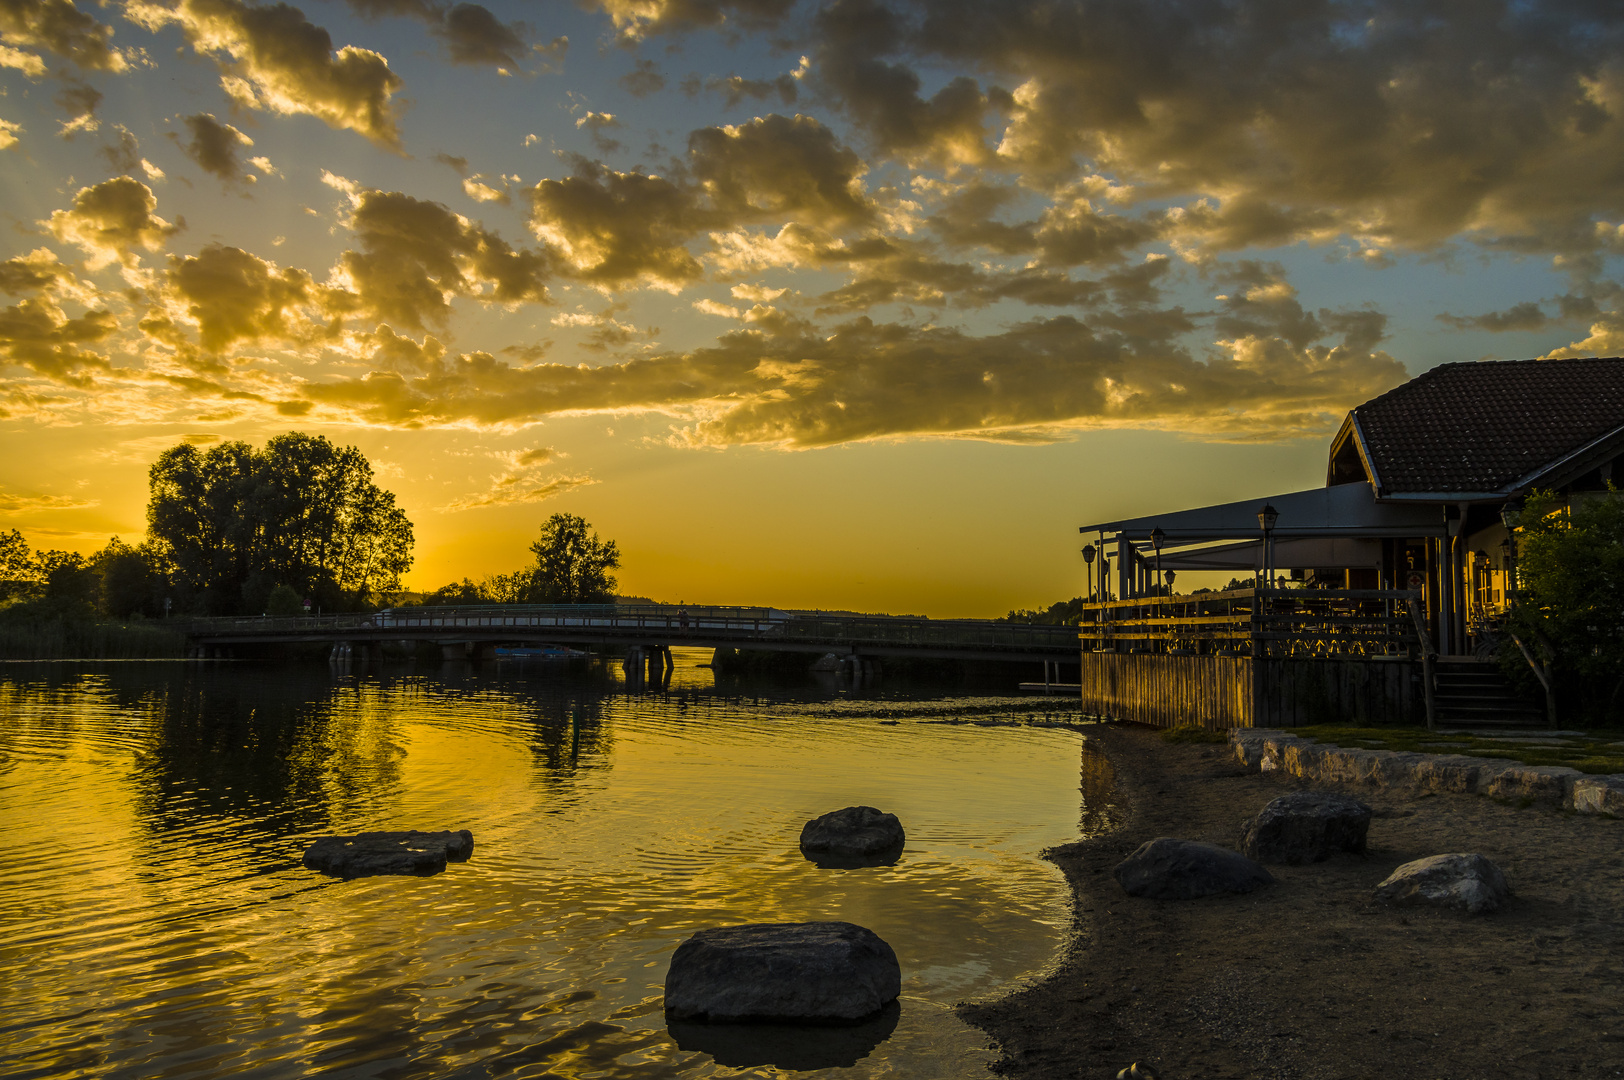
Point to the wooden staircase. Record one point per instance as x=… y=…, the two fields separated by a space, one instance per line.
x=1469 y=692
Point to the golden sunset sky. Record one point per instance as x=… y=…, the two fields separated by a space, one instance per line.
x=856 y=304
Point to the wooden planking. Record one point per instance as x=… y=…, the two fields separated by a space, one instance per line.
x=1238 y=691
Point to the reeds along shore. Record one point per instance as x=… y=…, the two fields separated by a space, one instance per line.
x=33 y=635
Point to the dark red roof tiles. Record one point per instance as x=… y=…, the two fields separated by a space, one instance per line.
x=1484 y=426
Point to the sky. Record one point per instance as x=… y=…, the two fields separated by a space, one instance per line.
x=861 y=305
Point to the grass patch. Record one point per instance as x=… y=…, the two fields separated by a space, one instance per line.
x=1590 y=752
x=1193 y=733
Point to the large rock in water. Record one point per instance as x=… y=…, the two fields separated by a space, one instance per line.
x=856 y=830
x=1306 y=826
x=371 y=853
x=787 y=973
x=1464 y=882
x=1169 y=869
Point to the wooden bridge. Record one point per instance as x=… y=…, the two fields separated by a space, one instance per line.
x=470 y=630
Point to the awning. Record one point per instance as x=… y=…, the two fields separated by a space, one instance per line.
x=1346 y=510
x=1304 y=553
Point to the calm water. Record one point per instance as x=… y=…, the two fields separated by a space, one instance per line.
x=155 y=920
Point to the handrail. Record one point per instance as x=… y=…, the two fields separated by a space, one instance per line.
x=1543 y=674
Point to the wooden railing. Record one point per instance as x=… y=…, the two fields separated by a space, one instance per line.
x=1258 y=622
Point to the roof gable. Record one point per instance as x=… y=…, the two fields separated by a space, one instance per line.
x=1488 y=426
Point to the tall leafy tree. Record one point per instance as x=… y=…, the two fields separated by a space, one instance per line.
x=1570 y=607
x=235 y=522
x=572 y=564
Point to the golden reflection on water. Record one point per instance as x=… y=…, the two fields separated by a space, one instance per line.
x=161 y=926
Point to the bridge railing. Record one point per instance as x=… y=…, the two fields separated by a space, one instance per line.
x=741 y=624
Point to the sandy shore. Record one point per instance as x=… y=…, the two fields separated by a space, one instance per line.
x=1309 y=978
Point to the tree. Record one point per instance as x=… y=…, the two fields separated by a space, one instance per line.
x=131 y=582
x=284 y=603
x=234 y=522
x=1570 y=604
x=572 y=564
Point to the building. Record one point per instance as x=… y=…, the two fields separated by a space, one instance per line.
x=1419 y=485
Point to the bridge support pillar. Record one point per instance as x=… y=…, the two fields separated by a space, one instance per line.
x=634 y=665
x=484 y=650
x=454 y=650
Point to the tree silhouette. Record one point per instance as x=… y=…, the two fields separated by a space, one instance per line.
x=572 y=564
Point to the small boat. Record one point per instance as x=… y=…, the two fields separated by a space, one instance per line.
x=538 y=652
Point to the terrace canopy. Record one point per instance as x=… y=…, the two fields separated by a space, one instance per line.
x=1340 y=526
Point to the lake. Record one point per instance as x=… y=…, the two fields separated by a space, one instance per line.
x=155 y=920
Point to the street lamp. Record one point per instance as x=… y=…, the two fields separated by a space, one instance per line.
x=1266 y=518
x=1157 y=539
x=1088 y=557
x=1510 y=516
x=1171 y=574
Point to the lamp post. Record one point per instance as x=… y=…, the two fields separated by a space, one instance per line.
x=1171 y=574
x=1088 y=558
x=1266 y=518
x=1510 y=515
x=1157 y=539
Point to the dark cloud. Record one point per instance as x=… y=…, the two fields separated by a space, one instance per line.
x=214 y=145
x=644 y=79
x=474 y=36
x=79 y=100
x=125 y=155
x=1527 y=315
x=735 y=88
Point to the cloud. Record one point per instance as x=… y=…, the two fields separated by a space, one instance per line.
x=274 y=59
x=80 y=100
x=780 y=168
x=513 y=489
x=618 y=228
x=735 y=88
x=644 y=79
x=38 y=335
x=233 y=297
x=540 y=455
x=62 y=28
x=478 y=191
x=214 y=147
x=25 y=62
x=14 y=503
x=780 y=381
x=640 y=18
x=37 y=271
x=1402 y=125
x=474 y=36
x=1527 y=315
x=415 y=256
x=8 y=134
x=110 y=220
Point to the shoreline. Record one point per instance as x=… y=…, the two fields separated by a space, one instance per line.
x=1309 y=978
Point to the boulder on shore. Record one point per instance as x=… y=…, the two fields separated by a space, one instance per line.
x=855 y=830
x=783 y=973
x=1306 y=826
x=1169 y=869
x=372 y=853
x=1464 y=882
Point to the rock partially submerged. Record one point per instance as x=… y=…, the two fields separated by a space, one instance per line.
x=1169 y=869
x=1464 y=882
x=782 y=973
x=372 y=853
x=853 y=831
x=796 y=1047
x=1306 y=826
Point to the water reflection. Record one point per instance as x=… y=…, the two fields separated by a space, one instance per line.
x=162 y=926
x=797 y=1049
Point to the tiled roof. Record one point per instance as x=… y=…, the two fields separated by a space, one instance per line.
x=1483 y=426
